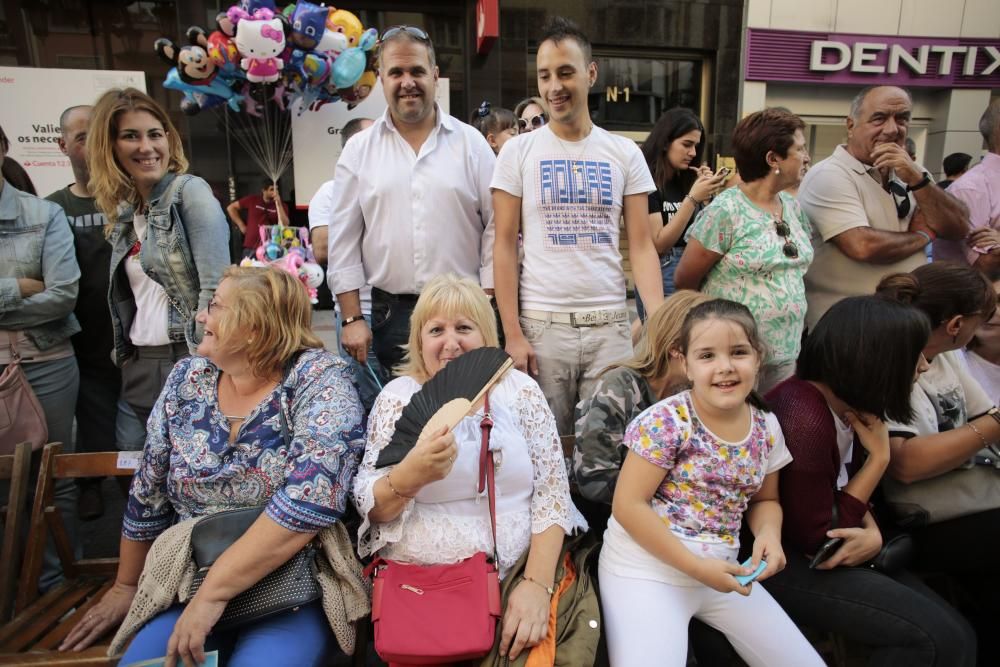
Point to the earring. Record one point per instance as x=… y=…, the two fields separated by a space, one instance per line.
x=777 y=172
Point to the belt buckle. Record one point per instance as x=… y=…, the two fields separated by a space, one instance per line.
x=588 y=319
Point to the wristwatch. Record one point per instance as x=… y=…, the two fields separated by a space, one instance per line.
x=924 y=182
x=348 y=320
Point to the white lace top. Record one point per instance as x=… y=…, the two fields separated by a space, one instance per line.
x=448 y=521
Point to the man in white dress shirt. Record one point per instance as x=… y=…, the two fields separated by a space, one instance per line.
x=411 y=201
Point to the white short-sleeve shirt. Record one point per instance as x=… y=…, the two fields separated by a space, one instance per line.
x=572 y=194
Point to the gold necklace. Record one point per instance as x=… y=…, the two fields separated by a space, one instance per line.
x=574 y=159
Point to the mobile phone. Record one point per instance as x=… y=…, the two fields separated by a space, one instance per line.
x=825 y=551
x=723 y=171
x=744 y=579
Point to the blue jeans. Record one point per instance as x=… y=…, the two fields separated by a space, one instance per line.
x=130 y=432
x=668 y=264
x=302 y=638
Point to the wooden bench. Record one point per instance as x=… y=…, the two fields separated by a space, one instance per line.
x=15 y=468
x=40 y=623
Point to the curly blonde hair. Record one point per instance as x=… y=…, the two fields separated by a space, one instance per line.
x=447 y=296
x=109 y=183
x=660 y=334
x=269 y=319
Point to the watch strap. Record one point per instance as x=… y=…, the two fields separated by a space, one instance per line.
x=924 y=182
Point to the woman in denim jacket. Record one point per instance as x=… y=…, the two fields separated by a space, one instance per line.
x=38 y=287
x=169 y=238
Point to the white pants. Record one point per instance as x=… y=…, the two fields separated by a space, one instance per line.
x=646 y=623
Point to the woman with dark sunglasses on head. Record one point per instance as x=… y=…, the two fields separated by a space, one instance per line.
x=673 y=152
x=752 y=244
x=530 y=114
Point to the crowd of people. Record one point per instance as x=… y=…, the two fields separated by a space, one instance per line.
x=800 y=432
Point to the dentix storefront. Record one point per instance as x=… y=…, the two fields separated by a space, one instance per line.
x=813 y=58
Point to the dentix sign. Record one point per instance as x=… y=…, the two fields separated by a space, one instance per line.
x=852 y=59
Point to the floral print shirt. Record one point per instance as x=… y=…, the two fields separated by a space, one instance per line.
x=709 y=481
x=754 y=269
x=190 y=469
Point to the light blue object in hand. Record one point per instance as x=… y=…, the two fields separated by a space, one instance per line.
x=744 y=579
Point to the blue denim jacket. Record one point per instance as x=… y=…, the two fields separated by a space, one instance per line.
x=36 y=242
x=186 y=251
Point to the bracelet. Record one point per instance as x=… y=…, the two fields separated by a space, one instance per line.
x=393 y=489
x=979 y=433
x=925 y=235
x=694 y=201
x=348 y=320
x=995 y=413
x=548 y=589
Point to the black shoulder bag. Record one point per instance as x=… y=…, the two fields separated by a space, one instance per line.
x=289 y=587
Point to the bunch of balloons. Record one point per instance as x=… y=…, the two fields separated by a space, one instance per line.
x=306 y=52
x=289 y=249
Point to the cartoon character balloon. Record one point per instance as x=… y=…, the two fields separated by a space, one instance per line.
x=346 y=23
x=308 y=24
x=260 y=38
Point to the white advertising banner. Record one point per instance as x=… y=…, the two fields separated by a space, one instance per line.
x=33 y=98
x=316 y=137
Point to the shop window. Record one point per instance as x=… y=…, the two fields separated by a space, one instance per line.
x=632 y=92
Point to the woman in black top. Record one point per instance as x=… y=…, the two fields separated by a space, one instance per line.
x=673 y=151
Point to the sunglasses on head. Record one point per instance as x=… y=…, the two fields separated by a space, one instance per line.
x=784 y=231
x=901 y=198
x=533 y=123
x=410 y=30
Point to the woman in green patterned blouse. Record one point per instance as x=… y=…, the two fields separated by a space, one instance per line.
x=751 y=244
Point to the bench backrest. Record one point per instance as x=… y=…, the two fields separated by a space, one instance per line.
x=16 y=468
x=46 y=519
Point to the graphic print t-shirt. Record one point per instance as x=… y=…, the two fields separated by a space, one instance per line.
x=667 y=202
x=571 y=204
x=94 y=342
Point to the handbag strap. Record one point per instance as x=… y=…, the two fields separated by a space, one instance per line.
x=286 y=436
x=486 y=470
x=15 y=356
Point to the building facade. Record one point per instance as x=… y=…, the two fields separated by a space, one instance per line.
x=721 y=58
x=813 y=57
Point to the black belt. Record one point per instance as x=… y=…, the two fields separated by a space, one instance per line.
x=382 y=295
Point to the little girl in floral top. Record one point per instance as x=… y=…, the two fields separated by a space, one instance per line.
x=696 y=462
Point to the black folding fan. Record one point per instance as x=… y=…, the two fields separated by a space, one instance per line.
x=445 y=399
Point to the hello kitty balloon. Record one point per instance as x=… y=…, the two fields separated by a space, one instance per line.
x=260 y=38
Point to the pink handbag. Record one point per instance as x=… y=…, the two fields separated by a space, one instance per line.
x=432 y=614
x=21 y=416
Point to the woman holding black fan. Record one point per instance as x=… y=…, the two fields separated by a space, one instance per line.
x=421 y=497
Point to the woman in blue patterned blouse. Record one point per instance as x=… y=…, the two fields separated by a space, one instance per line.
x=218 y=445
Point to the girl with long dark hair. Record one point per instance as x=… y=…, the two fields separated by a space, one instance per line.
x=674 y=152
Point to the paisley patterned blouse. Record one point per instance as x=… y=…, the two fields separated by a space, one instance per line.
x=190 y=469
x=709 y=481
